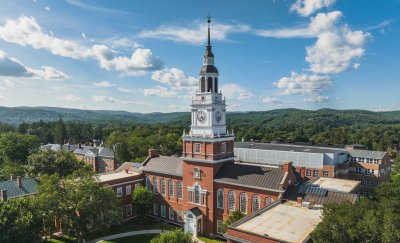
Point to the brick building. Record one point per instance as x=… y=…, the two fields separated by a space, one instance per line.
x=17 y=187
x=102 y=159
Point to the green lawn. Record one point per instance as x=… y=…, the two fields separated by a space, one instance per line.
x=135 y=238
x=62 y=239
x=208 y=240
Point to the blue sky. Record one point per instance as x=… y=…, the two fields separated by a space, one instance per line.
x=145 y=56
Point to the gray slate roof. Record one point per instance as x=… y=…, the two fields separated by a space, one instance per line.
x=367 y=154
x=105 y=152
x=332 y=197
x=164 y=165
x=29 y=186
x=250 y=175
x=287 y=147
x=99 y=151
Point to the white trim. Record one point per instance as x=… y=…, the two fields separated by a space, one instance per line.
x=123 y=183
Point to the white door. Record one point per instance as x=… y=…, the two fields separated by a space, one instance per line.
x=190 y=225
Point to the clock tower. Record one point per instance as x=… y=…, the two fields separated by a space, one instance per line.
x=206 y=147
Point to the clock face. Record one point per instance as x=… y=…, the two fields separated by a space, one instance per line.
x=218 y=116
x=201 y=116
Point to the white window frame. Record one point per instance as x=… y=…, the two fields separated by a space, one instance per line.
x=179 y=189
x=171 y=213
x=162 y=187
x=231 y=201
x=255 y=199
x=315 y=173
x=171 y=188
x=128 y=190
x=197 y=173
x=148 y=183
x=243 y=200
x=163 y=211
x=155 y=184
x=358 y=171
x=325 y=174
x=197 y=148
x=128 y=209
x=120 y=192
x=269 y=200
x=308 y=172
x=220 y=198
x=219 y=226
x=201 y=195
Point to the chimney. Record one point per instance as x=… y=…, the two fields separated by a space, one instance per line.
x=287 y=166
x=19 y=181
x=153 y=153
x=300 y=200
x=4 y=194
x=11 y=177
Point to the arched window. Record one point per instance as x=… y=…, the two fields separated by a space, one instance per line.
x=256 y=203
x=203 y=85
x=179 y=189
x=197 y=194
x=220 y=198
x=231 y=201
x=171 y=188
x=209 y=84
x=268 y=201
x=155 y=187
x=148 y=183
x=162 y=186
x=243 y=202
x=216 y=85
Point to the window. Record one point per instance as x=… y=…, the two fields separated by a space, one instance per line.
x=366 y=194
x=137 y=185
x=231 y=201
x=129 y=210
x=163 y=211
x=219 y=226
x=155 y=209
x=190 y=196
x=325 y=174
x=148 y=183
x=256 y=203
x=162 y=186
x=269 y=200
x=369 y=172
x=243 y=202
x=197 y=173
x=376 y=161
x=308 y=172
x=179 y=216
x=216 y=85
x=223 y=148
x=179 y=189
x=209 y=84
x=220 y=198
x=155 y=186
x=197 y=194
x=358 y=170
x=171 y=188
x=203 y=85
x=197 y=148
x=128 y=189
x=119 y=192
x=316 y=173
x=171 y=214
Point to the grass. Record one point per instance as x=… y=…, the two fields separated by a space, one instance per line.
x=134 y=238
x=208 y=240
x=62 y=239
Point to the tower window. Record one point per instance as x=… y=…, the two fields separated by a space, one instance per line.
x=203 y=85
x=216 y=85
x=197 y=173
x=209 y=84
x=223 y=148
x=197 y=148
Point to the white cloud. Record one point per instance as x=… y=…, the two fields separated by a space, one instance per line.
x=125 y=90
x=195 y=34
x=174 y=77
x=178 y=108
x=137 y=64
x=316 y=99
x=101 y=98
x=9 y=83
x=83 y=35
x=235 y=91
x=47 y=8
x=70 y=97
x=2 y=98
x=160 y=91
x=307 y=7
x=11 y=67
x=303 y=83
x=104 y=84
x=271 y=100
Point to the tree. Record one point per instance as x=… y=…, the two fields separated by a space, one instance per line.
x=78 y=202
x=142 y=200
x=173 y=236
x=60 y=132
x=19 y=221
x=17 y=147
x=233 y=218
x=49 y=162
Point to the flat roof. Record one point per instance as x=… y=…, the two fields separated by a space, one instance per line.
x=334 y=184
x=288 y=147
x=115 y=175
x=288 y=222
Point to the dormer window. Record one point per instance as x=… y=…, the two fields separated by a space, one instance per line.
x=197 y=174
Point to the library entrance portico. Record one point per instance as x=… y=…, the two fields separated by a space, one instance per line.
x=193 y=221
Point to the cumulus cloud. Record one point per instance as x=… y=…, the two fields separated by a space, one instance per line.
x=101 y=98
x=160 y=91
x=70 y=97
x=195 y=33
x=235 y=91
x=307 y=7
x=11 y=67
x=301 y=83
x=174 y=77
x=9 y=83
x=103 y=84
x=316 y=99
x=25 y=31
x=271 y=100
x=2 y=98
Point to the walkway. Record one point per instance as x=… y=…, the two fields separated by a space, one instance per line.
x=126 y=234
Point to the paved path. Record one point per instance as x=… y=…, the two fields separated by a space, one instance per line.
x=126 y=234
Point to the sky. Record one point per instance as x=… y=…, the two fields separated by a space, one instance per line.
x=145 y=56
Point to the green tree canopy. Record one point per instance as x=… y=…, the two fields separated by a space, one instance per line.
x=17 y=147
x=173 y=237
x=142 y=200
x=233 y=218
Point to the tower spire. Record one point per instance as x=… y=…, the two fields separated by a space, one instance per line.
x=209 y=22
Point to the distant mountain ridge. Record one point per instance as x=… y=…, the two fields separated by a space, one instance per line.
x=17 y=115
